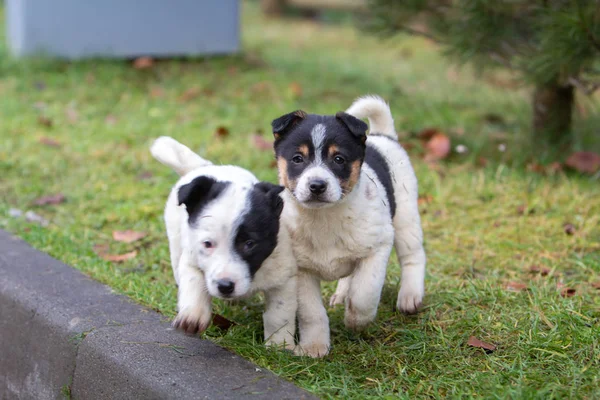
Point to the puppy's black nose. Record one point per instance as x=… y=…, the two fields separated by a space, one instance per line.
x=225 y=286
x=317 y=186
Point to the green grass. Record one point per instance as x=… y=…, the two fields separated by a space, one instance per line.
x=478 y=236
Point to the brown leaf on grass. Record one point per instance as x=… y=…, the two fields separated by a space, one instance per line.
x=596 y=285
x=45 y=121
x=143 y=63
x=426 y=199
x=50 y=199
x=157 y=92
x=189 y=94
x=102 y=251
x=221 y=132
x=295 y=89
x=568 y=292
x=221 y=322
x=261 y=143
x=554 y=168
x=535 y=167
x=144 y=175
x=474 y=342
x=119 y=257
x=542 y=270
x=437 y=148
x=569 y=229
x=49 y=141
x=515 y=286
x=584 y=162
x=482 y=162
x=128 y=236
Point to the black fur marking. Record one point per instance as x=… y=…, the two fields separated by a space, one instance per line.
x=259 y=225
x=357 y=127
x=377 y=162
x=198 y=193
x=285 y=123
x=337 y=133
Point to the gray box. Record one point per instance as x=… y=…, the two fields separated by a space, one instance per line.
x=122 y=28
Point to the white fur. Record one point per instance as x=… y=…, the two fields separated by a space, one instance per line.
x=196 y=268
x=352 y=240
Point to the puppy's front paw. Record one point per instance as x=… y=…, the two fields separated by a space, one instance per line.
x=192 y=321
x=314 y=350
x=410 y=298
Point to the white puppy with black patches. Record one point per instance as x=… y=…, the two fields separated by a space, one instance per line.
x=225 y=241
x=349 y=200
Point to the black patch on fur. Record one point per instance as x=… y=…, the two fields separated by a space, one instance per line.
x=198 y=193
x=260 y=224
x=377 y=162
x=357 y=127
x=350 y=146
x=285 y=123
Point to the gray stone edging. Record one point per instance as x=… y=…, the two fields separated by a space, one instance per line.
x=61 y=331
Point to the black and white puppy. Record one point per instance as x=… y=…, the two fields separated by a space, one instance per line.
x=225 y=241
x=349 y=199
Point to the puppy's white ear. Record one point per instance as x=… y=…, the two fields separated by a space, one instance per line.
x=198 y=193
x=285 y=123
x=272 y=192
x=357 y=127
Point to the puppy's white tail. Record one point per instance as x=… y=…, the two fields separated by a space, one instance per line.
x=175 y=155
x=378 y=112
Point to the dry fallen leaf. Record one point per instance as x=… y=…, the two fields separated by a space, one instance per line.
x=221 y=322
x=569 y=229
x=261 y=143
x=584 y=161
x=482 y=162
x=157 y=92
x=189 y=94
x=143 y=63
x=296 y=89
x=45 y=121
x=50 y=199
x=426 y=199
x=221 y=132
x=474 y=342
x=542 y=270
x=128 y=236
x=515 y=286
x=49 y=141
x=437 y=148
x=596 y=285
x=568 y=292
x=119 y=257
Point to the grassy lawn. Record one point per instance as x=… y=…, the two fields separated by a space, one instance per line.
x=485 y=225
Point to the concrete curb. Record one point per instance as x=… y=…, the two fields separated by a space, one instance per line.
x=62 y=332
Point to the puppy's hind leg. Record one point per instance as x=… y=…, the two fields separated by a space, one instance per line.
x=411 y=256
x=341 y=292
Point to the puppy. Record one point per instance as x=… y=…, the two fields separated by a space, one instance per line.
x=225 y=241
x=349 y=200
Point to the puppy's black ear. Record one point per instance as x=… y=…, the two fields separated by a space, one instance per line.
x=199 y=192
x=357 y=127
x=272 y=191
x=285 y=123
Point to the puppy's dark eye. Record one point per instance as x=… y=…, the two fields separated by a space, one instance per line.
x=297 y=159
x=339 y=160
x=207 y=244
x=249 y=245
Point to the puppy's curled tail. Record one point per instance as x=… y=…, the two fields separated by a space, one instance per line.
x=378 y=112
x=175 y=155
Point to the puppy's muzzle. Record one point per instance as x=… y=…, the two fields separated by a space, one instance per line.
x=317 y=186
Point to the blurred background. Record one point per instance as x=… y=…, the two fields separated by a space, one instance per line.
x=495 y=102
